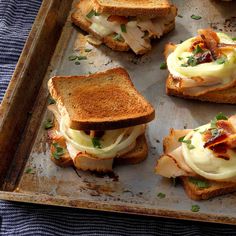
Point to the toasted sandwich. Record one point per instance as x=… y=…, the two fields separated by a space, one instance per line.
x=99 y=119
x=203 y=68
x=124 y=25
x=203 y=158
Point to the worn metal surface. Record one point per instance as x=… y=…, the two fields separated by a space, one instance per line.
x=134 y=188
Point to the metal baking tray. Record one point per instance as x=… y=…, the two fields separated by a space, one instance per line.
x=26 y=171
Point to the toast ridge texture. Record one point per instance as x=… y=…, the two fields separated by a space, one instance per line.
x=215 y=188
x=101 y=101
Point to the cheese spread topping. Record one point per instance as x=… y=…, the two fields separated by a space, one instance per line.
x=203 y=160
x=182 y=63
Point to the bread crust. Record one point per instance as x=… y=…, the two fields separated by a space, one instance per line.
x=226 y=96
x=215 y=189
x=139 y=8
x=101 y=101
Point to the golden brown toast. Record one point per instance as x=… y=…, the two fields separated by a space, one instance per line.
x=79 y=19
x=101 y=101
x=142 y=8
x=194 y=191
x=214 y=189
x=137 y=155
x=221 y=96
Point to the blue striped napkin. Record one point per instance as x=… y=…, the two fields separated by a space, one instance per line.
x=16 y=18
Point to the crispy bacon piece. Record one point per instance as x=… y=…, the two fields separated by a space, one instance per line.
x=225 y=125
x=118 y=19
x=225 y=139
x=211 y=41
x=221 y=137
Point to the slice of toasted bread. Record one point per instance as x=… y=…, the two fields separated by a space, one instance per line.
x=142 y=8
x=223 y=96
x=193 y=191
x=101 y=101
x=79 y=19
x=138 y=154
x=214 y=189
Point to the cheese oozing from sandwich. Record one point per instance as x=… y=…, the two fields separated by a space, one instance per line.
x=111 y=144
x=204 y=63
x=135 y=32
x=204 y=161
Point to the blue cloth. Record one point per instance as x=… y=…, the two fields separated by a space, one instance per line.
x=16 y=18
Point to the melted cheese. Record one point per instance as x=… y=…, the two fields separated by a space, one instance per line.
x=134 y=35
x=204 y=162
x=225 y=72
x=113 y=142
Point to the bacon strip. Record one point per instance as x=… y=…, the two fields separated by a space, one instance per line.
x=211 y=40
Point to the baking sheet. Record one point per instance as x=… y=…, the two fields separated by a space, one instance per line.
x=132 y=188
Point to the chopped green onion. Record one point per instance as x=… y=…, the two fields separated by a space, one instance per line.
x=51 y=101
x=77 y=63
x=181 y=139
x=58 y=152
x=184 y=65
x=118 y=37
x=197 y=50
x=220 y=116
x=190 y=146
x=91 y=14
x=81 y=58
x=188 y=142
x=48 y=124
x=88 y=50
x=195 y=17
x=221 y=60
x=96 y=142
x=123 y=28
x=161 y=195
x=163 y=66
x=234 y=38
x=72 y=57
x=180 y=16
x=199 y=183
x=195 y=208
x=28 y=171
x=180 y=58
x=192 y=61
